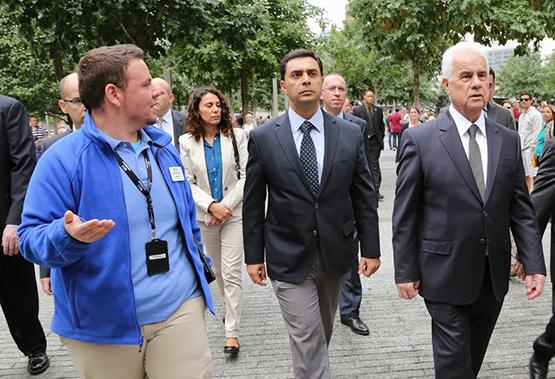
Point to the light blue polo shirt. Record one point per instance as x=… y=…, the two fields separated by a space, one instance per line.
x=157 y=296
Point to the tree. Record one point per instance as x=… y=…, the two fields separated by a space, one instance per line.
x=245 y=44
x=527 y=73
x=407 y=31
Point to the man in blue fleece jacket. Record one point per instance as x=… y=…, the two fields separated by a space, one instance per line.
x=120 y=228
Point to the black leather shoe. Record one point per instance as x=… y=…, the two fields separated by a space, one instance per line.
x=38 y=363
x=233 y=351
x=538 y=367
x=356 y=325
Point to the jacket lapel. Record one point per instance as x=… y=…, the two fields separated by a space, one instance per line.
x=287 y=143
x=494 y=141
x=331 y=135
x=197 y=150
x=449 y=137
x=225 y=144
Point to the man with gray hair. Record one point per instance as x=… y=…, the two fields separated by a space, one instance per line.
x=460 y=188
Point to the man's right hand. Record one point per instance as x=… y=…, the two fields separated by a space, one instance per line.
x=257 y=272
x=408 y=290
x=45 y=285
x=88 y=231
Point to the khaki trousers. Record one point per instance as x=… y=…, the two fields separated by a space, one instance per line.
x=224 y=244
x=174 y=348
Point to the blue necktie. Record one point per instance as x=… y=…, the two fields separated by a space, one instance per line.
x=308 y=158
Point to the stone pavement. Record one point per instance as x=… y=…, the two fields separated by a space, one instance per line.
x=399 y=345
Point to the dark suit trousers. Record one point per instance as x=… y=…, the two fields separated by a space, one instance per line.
x=351 y=294
x=544 y=345
x=461 y=333
x=374 y=151
x=20 y=303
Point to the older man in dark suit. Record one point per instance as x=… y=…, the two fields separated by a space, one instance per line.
x=334 y=95
x=18 y=287
x=460 y=187
x=313 y=168
x=543 y=198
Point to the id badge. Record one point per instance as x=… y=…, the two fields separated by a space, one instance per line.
x=157 y=259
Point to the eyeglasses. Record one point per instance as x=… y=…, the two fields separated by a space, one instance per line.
x=73 y=101
x=524 y=99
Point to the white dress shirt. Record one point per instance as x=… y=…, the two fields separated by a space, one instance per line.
x=481 y=138
x=165 y=123
x=316 y=133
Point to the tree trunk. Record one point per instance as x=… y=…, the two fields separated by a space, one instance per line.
x=416 y=82
x=58 y=65
x=244 y=91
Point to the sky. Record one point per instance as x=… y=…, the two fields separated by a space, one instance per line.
x=334 y=11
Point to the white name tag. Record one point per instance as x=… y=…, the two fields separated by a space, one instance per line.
x=177 y=174
x=157 y=256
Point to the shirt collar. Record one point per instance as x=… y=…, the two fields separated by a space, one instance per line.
x=296 y=120
x=463 y=124
x=167 y=117
x=115 y=144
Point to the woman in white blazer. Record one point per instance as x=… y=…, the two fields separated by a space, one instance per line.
x=215 y=156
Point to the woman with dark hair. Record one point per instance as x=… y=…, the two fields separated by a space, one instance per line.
x=214 y=155
x=414 y=119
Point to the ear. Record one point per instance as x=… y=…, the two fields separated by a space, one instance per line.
x=283 y=87
x=171 y=97
x=112 y=94
x=445 y=85
x=62 y=105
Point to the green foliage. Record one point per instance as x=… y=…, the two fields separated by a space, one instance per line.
x=24 y=75
x=527 y=73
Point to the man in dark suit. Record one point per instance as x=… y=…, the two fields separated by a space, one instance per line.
x=375 y=131
x=496 y=112
x=170 y=121
x=334 y=95
x=18 y=287
x=313 y=169
x=460 y=187
x=543 y=198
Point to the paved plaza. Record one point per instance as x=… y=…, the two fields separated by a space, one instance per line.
x=399 y=345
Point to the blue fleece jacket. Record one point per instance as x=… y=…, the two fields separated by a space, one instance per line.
x=93 y=290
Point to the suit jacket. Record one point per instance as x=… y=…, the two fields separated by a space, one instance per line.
x=192 y=155
x=17 y=160
x=375 y=126
x=179 y=119
x=442 y=228
x=543 y=195
x=501 y=115
x=296 y=224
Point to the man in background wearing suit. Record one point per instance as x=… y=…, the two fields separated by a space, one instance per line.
x=460 y=187
x=18 y=287
x=334 y=94
x=313 y=168
x=170 y=121
x=496 y=112
x=543 y=198
x=375 y=131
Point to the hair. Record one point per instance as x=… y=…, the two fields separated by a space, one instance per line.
x=166 y=83
x=527 y=93
x=492 y=73
x=552 y=107
x=102 y=66
x=299 y=53
x=450 y=53
x=414 y=107
x=194 y=124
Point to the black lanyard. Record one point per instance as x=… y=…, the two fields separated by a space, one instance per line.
x=140 y=186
